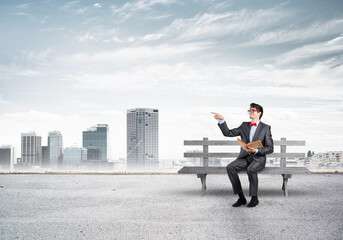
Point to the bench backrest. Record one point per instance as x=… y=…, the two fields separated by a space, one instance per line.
x=206 y=143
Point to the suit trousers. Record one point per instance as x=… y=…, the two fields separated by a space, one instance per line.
x=252 y=167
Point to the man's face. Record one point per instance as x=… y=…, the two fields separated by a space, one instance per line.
x=253 y=113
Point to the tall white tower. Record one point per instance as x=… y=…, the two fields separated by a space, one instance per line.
x=55 y=145
x=142 y=138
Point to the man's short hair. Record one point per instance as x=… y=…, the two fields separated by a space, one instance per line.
x=258 y=107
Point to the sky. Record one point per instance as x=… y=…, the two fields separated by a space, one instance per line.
x=69 y=65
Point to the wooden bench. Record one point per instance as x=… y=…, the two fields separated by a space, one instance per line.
x=285 y=172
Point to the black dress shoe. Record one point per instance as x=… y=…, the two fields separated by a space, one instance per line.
x=240 y=201
x=253 y=202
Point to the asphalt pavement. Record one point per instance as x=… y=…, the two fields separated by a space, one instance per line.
x=48 y=206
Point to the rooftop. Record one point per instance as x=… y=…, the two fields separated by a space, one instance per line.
x=158 y=206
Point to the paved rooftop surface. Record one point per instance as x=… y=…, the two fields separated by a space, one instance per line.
x=167 y=207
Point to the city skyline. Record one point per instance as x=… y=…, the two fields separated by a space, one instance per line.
x=68 y=65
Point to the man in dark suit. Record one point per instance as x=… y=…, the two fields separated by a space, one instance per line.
x=249 y=158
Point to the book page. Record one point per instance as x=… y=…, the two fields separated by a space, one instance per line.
x=241 y=143
x=256 y=144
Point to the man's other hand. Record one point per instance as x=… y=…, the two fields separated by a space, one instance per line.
x=250 y=150
x=217 y=116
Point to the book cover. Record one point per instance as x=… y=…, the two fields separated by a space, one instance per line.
x=256 y=144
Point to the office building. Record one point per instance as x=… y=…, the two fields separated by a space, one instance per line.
x=31 y=149
x=96 y=141
x=142 y=138
x=7 y=156
x=45 y=157
x=55 y=144
x=74 y=156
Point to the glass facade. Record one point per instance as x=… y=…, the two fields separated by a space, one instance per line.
x=6 y=156
x=96 y=139
x=55 y=145
x=142 y=138
x=45 y=157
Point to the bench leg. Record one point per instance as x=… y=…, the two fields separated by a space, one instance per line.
x=284 y=185
x=203 y=183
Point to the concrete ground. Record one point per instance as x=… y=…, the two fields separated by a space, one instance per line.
x=167 y=207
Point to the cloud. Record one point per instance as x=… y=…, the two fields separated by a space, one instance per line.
x=184 y=79
x=158 y=17
x=20 y=14
x=41 y=55
x=131 y=39
x=24 y=5
x=29 y=73
x=33 y=116
x=97 y=5
x=130 y=8
x=311 y=51
x=74 y=7
x=4 y=102
x=70 y=4
x=153 y=37
x=7 y=73
x=87 y=37
x=51 y=29
x=297 y=34
x=25 y=15
x=239 y=23
x=114 y=39
x=81 y=10
x=99 y=33
x=138 y=53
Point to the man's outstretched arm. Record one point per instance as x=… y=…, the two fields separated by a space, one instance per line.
x=229 y=133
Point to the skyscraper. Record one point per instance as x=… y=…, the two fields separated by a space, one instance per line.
x=6 y=157
x=55 y=144
x=45 y=157
x=142 y=138
x=31 y=149
x=96 y=141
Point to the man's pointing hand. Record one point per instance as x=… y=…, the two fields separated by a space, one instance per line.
x=217 y=116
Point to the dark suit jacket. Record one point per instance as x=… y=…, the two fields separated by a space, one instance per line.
x=262 y=133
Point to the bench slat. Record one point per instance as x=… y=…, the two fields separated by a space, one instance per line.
x=235 y=155
x=236 y=143
x=266 y=170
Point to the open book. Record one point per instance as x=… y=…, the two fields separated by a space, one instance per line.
x=256 y=144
